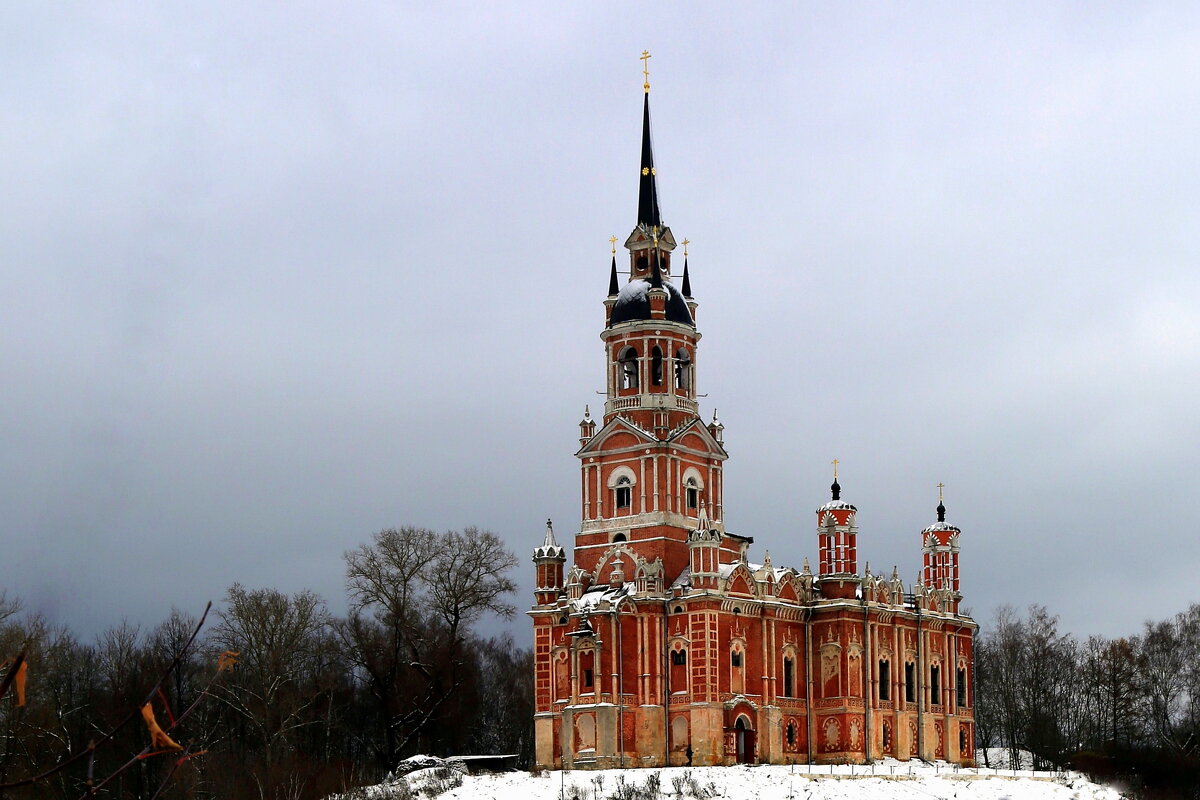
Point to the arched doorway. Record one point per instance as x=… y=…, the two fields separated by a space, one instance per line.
x=744 y=740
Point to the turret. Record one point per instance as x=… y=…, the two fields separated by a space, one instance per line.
x=939 y=546
x=549 y=560
x=837 y=544
x=587 y=427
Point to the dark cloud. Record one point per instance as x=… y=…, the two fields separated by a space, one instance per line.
x=273 y=280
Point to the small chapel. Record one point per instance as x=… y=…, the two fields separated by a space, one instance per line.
x=664 y=642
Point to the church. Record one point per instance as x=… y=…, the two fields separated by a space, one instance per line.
x=665 y=642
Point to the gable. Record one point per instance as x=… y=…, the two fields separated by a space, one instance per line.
x=696 y=436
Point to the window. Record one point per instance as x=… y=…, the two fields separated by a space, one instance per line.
x=692 y=491
x=620 y=537
x=683 y=370
x=624 y=492
x=656 y=366
x=679 y=657
x=628 y=368
x=935 y=685
x=885 y=680
x=735 y=658
x=910 y=683
x=789 y=677
x=960 y=687
x=791 y=734
x=587 y=679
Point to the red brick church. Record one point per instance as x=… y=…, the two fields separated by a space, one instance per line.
x=665 y=642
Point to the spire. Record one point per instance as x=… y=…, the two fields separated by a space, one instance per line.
x=835 y=487
x=648 y=189
x=550 y=548
x=941 y=509
x=687 y=281
x=656 y=272
x=613 y=286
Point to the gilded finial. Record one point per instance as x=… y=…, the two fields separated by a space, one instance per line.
x=685 y=244
x=646 y=71
x=940 y=487
x=656 y=236
x=835 y=463
x=612 y=240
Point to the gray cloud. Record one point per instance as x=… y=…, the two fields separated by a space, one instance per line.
x=272 y=281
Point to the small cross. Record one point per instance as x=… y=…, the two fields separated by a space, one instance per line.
x=835 y=463
x=940 y=487
x=685 y=244
x=613 y=241
x=646 y=70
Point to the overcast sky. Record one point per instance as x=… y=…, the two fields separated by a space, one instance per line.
x=274 y=279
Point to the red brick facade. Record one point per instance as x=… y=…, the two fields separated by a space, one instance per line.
x=665 y=643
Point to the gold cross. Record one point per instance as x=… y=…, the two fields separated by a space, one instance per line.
x=685 y=244
x=613 y=241
x=835 y=463
x=940 y=487
x=646 y=70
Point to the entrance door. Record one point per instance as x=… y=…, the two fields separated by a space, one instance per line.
x=745 y=741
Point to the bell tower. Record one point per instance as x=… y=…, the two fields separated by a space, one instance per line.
x=651 y=464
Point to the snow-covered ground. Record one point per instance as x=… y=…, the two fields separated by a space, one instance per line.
x=886 y=780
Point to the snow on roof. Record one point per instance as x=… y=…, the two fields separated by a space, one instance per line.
x=836 y=505
x=634 y=290
x=596 y=595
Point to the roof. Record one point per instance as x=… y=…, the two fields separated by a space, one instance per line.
x=633 y=303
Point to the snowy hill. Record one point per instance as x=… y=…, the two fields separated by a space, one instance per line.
x=887 y=780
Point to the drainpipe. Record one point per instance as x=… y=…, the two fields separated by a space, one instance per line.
x=868 y=695
x=808 y=688
x=666 y=667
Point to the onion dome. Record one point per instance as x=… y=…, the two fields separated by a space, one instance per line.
x=633 y=303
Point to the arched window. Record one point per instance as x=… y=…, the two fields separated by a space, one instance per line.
x=656 y=366
x=627 y=363
x=624 y=491
x=683 y=369
x=692 y=492
x=620 y=537
x=621 y=482
x=789 y=677
x=791 y=734
x=737 y=672
x=679 y=671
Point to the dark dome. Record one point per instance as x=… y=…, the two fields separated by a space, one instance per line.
x=633 y=303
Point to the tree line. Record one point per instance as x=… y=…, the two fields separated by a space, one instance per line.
x=275 y=697
x=1127 y=707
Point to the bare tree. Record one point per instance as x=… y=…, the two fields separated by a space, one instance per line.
x=415 y=595
x=278 y=640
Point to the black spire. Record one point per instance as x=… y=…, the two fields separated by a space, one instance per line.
x=836 y=488
x=613 y=286
x=648 y=189
x=941 y=509
x=687 y=282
